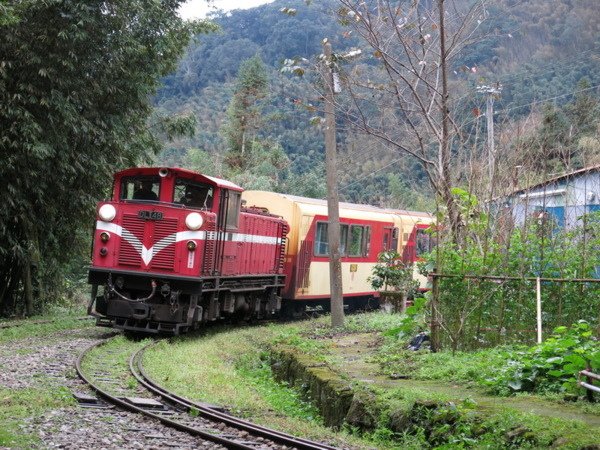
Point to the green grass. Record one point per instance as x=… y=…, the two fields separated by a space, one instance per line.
x=59 y=320
x=18 y=404
x=231 y=369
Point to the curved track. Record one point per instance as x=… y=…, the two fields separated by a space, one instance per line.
x=191 y=417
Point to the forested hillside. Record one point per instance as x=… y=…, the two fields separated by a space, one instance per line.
x=539 y=51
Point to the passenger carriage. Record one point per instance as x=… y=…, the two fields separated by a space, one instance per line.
x=365 y=232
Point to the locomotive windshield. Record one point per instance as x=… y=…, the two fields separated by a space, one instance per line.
x=140 y=188
x=193 y=194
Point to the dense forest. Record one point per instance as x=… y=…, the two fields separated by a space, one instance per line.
x=544 y=54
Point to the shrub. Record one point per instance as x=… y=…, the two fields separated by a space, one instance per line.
x=552 y=366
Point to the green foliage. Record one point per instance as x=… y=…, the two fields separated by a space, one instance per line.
x=76 y=79
x=413 y=321
x=552 y=366
x=391 y=273
x=486 y=311
x=244 y=115
x=256 y=371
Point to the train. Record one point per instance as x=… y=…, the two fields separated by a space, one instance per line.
x=173 y=249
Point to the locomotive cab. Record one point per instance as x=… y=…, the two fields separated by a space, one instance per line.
x=173 y=248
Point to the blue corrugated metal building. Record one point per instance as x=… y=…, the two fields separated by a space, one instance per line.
x=563 y=199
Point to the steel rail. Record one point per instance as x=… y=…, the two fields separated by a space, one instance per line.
x=172 y=423
x=212 y=414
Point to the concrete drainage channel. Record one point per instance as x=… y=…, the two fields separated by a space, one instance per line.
x=205 y=422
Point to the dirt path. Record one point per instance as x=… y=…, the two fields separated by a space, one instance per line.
x=354 y=351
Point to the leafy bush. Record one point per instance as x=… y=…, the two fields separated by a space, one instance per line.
x=551 y=366
x=391 y=273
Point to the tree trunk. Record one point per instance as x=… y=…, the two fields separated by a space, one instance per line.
x=445 y=142
x=27 y=288
x=333 y=228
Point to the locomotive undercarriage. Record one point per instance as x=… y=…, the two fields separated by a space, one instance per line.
x=153 y=303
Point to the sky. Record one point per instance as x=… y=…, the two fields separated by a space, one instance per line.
x=194 y=9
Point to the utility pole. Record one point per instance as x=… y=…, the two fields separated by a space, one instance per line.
x=491 y=91
x=333 y=209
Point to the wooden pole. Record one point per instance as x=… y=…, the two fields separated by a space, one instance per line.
x=333 y=212
x=435 y=326
x=538 y=294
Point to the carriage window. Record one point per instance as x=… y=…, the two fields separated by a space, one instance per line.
x=423 y=244
x=355 y=247
x=142 y=188
x=233 y=209
x=343 y=239
x=321 y=241
x=193 y=194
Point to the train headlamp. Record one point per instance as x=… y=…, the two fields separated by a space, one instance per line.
x=191 y=246
x=107 y=212
x=194 y=221
x=104 y=236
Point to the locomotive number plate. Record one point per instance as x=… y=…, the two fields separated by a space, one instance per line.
x=150 y=215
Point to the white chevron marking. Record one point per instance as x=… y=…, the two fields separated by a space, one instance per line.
x=148 y=253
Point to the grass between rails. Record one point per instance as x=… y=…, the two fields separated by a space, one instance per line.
x=111 y=361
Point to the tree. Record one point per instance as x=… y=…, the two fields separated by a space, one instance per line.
x=408 y=103
x=244 y=115
x=76 y=79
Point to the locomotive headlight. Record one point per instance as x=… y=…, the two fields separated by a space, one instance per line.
x=104 y=236
x=107 y=212
x=194 y=221
x=191 y=246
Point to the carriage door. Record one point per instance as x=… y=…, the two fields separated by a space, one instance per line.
x=228 y=244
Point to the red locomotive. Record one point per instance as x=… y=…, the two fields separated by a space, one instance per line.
x=174 y=248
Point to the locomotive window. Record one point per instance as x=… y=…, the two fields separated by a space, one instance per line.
x=193 y=194
x=233 y=209
x=321 y=241
x=140 y=188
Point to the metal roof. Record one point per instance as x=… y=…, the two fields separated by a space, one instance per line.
x=555 y=179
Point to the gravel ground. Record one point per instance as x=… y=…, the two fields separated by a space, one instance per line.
x=51 y=361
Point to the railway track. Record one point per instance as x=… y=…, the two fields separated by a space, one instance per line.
x=130 y=388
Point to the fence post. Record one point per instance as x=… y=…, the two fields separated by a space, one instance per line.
x=435 y=326
x=538 y=295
